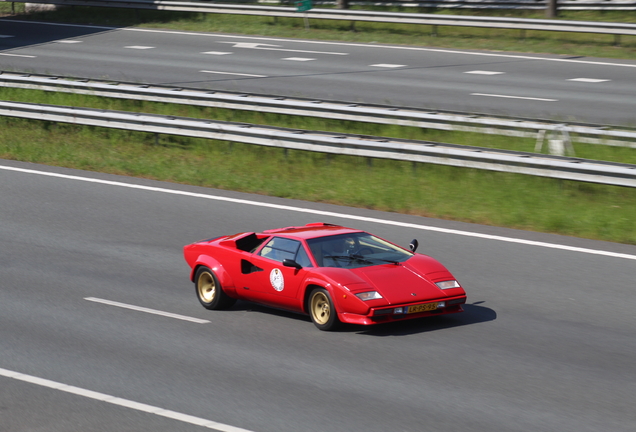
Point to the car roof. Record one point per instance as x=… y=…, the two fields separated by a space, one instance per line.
x=312 y=230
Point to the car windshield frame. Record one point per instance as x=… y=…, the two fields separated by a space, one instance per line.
x=355 y=250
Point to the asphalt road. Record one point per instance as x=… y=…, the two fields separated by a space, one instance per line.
x=537 y=86
x=546 y=342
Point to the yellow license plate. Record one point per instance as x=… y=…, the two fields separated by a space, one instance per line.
x=422 y=308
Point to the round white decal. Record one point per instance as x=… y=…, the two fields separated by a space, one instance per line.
x=276 y=278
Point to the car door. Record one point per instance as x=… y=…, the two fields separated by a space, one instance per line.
x=269 y=280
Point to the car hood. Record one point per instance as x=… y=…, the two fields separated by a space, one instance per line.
x=406 y=282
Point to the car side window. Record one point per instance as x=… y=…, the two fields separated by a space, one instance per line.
x=280 y=248
x=302 y=258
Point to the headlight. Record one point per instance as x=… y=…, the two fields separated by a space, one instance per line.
x=370 y=295
x=448 y=284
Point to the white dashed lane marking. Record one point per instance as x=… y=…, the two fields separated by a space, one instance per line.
x=217 y=52
x=138 y=47
x=233 y=73
x=68 y=41
x=589 y=80
x=482 y=72
x=146 y=310
x=385 y=65
x=17 y=55
x=300 y=59
x=514 y=97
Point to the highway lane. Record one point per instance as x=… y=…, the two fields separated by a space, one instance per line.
x=554 y=87
x=546 y=342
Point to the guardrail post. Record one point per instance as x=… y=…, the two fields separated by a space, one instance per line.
x=551 y=10
x=434 y=31
x=617 y=40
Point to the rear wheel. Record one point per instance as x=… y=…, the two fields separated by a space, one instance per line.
x=209 y=291
x=321 y=310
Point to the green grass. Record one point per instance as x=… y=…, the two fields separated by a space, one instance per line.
x=500 y=199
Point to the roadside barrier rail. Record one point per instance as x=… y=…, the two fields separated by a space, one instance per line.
x=368 y=113
x=558 y=167
x=616 y=29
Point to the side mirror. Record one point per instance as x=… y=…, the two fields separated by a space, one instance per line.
x=291 y=263
x=414 y=244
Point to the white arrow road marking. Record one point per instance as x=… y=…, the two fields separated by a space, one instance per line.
x=270 y=47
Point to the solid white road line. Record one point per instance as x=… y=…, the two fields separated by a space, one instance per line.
x=514 y=97
x=146 y=310
x=324 y=213
x=233 y=73
x=185 y=418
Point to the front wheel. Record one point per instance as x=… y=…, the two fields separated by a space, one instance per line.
x=321 y=310
x=209 y=291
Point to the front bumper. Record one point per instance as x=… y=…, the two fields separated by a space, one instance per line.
x=388 y=314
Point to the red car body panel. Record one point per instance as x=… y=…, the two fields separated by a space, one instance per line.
x=245 y=272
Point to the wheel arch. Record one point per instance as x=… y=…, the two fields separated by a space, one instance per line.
x=213 y=264
x=309 y=287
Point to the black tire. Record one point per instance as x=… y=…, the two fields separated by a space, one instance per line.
x=209 y=291
x=321 y=310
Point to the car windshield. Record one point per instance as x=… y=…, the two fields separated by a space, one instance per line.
x=355 y=250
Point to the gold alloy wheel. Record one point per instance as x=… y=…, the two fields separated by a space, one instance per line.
x=206 y=287
x=320 y=309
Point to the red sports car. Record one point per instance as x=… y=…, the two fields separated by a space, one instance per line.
x=334 y=274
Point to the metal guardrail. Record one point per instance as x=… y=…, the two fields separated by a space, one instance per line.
x=368 y=113
x=616 y=29
x=373 y=147
x=488 y=4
